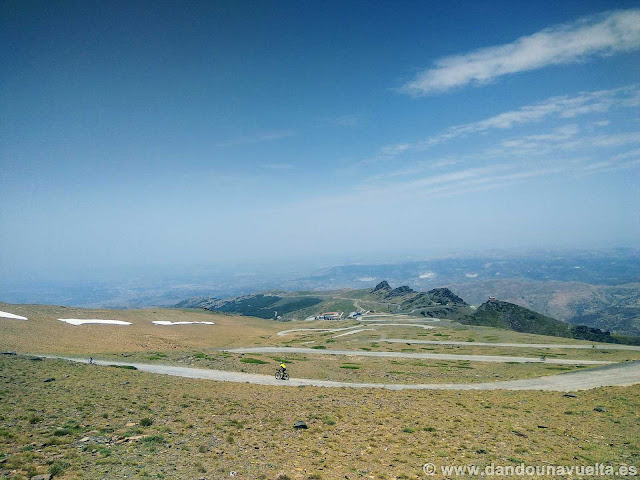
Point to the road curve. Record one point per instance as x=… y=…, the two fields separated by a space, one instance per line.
x=620 y=374
x=329 y=330
x=595 y=346
x=421 y=356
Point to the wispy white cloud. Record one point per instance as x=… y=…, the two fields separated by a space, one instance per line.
x=258 y=138
x=598 y=35
x=584 y=103
x=556 y=142
x=635 y=153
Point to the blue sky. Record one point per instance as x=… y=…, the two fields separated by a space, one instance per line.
x=166 y=133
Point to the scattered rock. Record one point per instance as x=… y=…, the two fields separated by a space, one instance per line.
x=46 y=476
x=300 y=424
x=570 y=395
x=35 y=359
x=599 y=409
x=50 y=379
x=542 y=426
x=130 y=424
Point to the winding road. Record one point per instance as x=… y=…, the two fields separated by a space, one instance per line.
x=420 y=356
x=599 y=346
x=621 y=374
x=316 y=330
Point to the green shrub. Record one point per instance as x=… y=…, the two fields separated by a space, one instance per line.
x=33 y=419
x=146 y=422
x=58 y=467
x=154 y=439
x=253 y=360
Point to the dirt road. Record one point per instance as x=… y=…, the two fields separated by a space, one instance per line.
x=627 y=373
x=597 y=346
x=422 y=356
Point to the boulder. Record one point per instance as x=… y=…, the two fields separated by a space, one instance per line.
x=300 y=424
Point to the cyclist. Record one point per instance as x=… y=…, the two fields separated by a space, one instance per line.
x=283 y=368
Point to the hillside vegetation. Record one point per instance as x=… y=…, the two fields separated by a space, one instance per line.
x=258 y=305
x=614 y=308
x=500 y=314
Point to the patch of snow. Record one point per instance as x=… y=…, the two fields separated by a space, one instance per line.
x=165 y=322
x=428 y=275
x=81 y=321
x=471 y=275
x=12 y=315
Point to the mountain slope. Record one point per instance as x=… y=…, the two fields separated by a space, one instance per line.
x=614 y=308
x=438 y=302
x=257 y=305
x=500 y=314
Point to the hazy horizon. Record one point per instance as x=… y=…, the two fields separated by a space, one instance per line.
x=175 y=134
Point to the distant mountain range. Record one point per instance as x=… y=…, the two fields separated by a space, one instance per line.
x=598 y=288
x=435 y=303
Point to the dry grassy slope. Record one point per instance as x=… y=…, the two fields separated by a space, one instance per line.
x=202 y=429
x=44 y=333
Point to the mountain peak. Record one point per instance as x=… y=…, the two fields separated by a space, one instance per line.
x=383 y=285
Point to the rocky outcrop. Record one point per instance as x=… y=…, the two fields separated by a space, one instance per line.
x=399 y=292
x=444 y=296
x=382 y=287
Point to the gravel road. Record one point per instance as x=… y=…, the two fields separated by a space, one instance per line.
x=620 y=374
x=598 y=346
x=422 y=356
